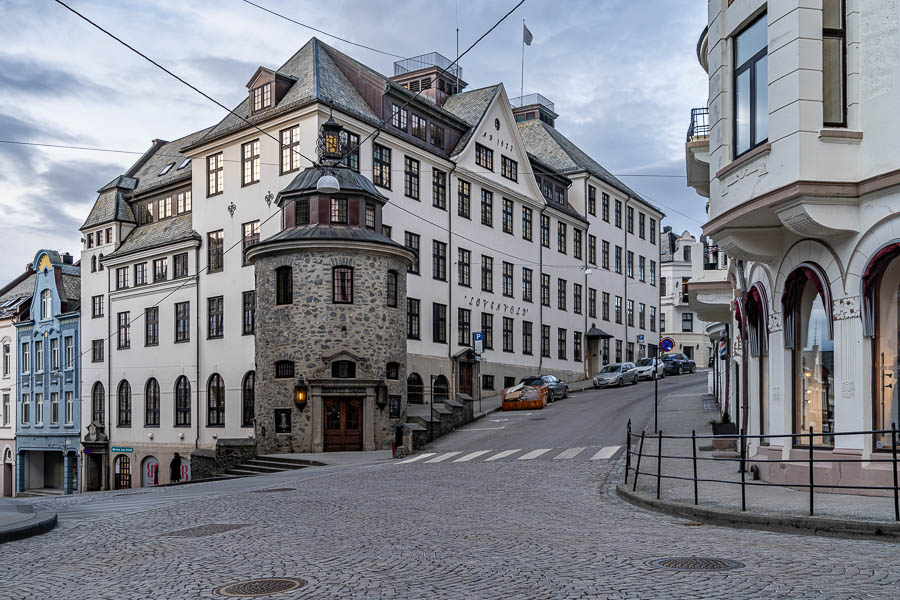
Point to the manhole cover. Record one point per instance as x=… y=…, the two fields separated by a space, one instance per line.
x=205 y=530
x=256 y=588
x=272 y=490
x=694 y=564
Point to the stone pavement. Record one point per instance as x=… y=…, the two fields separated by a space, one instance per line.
x=19 y=520
x=520 y=530
x=767 y=507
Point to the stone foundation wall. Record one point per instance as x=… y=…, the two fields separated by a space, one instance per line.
x=228 y=453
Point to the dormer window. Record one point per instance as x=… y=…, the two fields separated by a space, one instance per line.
x=166 y=169
x=262 y=97
x=183 y=164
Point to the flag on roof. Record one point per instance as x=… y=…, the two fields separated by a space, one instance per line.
x=526 y=35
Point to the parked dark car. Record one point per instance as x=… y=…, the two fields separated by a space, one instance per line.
x=676 y=363
x=558 y=389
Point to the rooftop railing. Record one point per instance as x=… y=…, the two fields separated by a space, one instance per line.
x=423 y=61
x=529 y=99
x=699 y=128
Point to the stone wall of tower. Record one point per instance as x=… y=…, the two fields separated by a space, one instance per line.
x=314 y=328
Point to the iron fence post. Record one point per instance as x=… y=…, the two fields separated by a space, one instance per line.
x=658 y=463
x=637 y=471
x=894 y=455
x=694 y=443
x=627 y=450
x=743 y=476
x=811 y=484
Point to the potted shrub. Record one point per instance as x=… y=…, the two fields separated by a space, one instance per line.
x=727 y=430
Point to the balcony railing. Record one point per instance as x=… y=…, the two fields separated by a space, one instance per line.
x=699 y=128
x=530 y=99
x=423 y=61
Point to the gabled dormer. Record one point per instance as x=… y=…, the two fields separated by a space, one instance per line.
x=266 y=89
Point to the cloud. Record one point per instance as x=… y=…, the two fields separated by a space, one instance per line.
x=23 y=75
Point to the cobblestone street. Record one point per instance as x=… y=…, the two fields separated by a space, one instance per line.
x=508 y=528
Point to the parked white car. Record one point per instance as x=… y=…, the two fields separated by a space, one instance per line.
x=650 y=368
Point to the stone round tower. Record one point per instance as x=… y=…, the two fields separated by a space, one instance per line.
x=330 y=319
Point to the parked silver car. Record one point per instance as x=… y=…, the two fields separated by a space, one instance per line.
x=650 y=368
x=616 y=374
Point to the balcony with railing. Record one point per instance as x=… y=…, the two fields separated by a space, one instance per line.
x=697 y=151
x=530 y=100
x=425 y=61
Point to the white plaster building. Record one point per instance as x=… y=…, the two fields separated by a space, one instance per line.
x=685 y=260
x=803 y=195
x=519 y=234
x=14 y=298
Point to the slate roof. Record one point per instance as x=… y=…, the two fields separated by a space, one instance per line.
x=155 y=235
x=19 y=293
x=317 y=78
x=327 y=232
x=147 y=174
x=557 y=151
x=351 y=181
x=470 y=107
x=72 y=286
x=110 y=206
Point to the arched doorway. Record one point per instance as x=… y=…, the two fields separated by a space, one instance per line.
x=7 y=472
x=123 y=472
x=808 y=332
x=150 y=472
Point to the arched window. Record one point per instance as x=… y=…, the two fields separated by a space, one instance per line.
x=100 y=262
x=124 y=403
x=414 y=392
x=757 y=341
x=93 y=264
x=441 y=390
x=46 y=304
x=881 y=289
x=342 y=285
x=343 y=369
x=215 y=397
x=182 y=402
x=98 y=396
x=807 y=310
x=248 y=399
x=392 y=288
x=284 y=285
x=151 y=403
x=393 y=370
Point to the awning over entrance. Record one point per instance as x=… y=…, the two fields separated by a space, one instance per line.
x=594 y=332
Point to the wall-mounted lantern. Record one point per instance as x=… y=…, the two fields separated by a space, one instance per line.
x=301 y=393
x=381 y=395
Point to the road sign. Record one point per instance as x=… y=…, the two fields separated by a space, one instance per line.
x=666 y=344
x=640 y=338
x=122 y=449
x=478 y=339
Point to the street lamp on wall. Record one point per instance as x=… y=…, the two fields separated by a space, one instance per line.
x=381 y=394
x=301 y=393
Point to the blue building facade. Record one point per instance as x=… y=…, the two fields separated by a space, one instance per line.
x=49 y=379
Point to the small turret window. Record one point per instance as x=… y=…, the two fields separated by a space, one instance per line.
x=284 y=285
x=262 y=97
x=342 y=285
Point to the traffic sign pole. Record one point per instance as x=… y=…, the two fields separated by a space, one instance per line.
x=656 y=392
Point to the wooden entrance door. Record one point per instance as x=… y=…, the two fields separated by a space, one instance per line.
x=343 y=424
x=123 y=473
x=466 y=373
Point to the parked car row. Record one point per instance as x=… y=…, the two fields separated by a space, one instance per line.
x=618 y=374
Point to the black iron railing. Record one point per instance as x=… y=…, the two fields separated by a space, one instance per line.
x=699 y=128
x=742 y=460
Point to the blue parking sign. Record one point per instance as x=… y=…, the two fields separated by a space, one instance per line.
x=478 y=342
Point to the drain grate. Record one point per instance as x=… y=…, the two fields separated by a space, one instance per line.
x=205 y=530
x=690 y=524
x=257 y=588
x=272 y=490
x=694 y=564
x=538 y=419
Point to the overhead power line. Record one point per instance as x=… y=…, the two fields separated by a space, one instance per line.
x=331 y=35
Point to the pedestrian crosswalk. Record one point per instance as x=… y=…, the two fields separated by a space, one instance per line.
x=595 y=453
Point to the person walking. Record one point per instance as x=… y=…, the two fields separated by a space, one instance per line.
x=175 y=469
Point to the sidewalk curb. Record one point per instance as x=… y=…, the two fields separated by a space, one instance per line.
x=870 y=530
x=41 y=523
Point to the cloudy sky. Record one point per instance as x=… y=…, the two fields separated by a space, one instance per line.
x=622 y=73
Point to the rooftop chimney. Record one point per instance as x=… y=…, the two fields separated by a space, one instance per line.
x=426 y=73
x=67 y=259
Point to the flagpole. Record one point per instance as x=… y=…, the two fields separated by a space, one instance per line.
x=522 y=88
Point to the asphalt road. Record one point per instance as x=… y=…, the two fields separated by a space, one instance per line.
x=584 y=419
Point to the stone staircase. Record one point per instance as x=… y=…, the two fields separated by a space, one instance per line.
x=40 y=493
x=444 y=417
x=268 y=464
